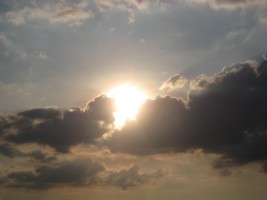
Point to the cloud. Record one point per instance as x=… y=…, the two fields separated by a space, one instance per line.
x=4 y=40
x=60 y=130
x=40 y=113
x=64 y=11
x=225 y=113
x=157 y=128
x=9 y=151
x=12 y=152
x=72 y=12
x=8 y=49
x=132 y=177
x=128 y=4
x=131 y=7
x=42 y=55
x=174 y=82
x=77 y=172
x=229 y=4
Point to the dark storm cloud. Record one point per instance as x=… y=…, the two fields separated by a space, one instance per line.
x=225 y=113
x=132 y=177
x=79 y=172
x=60 y=130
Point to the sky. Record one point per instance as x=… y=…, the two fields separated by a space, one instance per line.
x=200 y=134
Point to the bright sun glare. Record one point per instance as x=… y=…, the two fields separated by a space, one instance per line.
x=128 y=100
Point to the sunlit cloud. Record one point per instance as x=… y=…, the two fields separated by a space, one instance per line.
x=175 y=82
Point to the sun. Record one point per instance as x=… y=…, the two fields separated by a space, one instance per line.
x=128 y=99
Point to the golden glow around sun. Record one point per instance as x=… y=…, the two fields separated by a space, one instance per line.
x=128 y=100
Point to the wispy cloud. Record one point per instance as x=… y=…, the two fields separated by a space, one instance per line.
x=8 y=48
x=230 y=4
x=174 y=82
x=130 y=6
x=66 y=12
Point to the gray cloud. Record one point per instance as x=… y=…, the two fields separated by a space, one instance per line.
x=78 y=172
x=225 y=113
x=9 y=151
x=67 y=12
x=12 y=152
x=230 y=4
x=41 y=113
x=60 y=130
x=71 y=12
x=130 y=7
x=132 y=177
